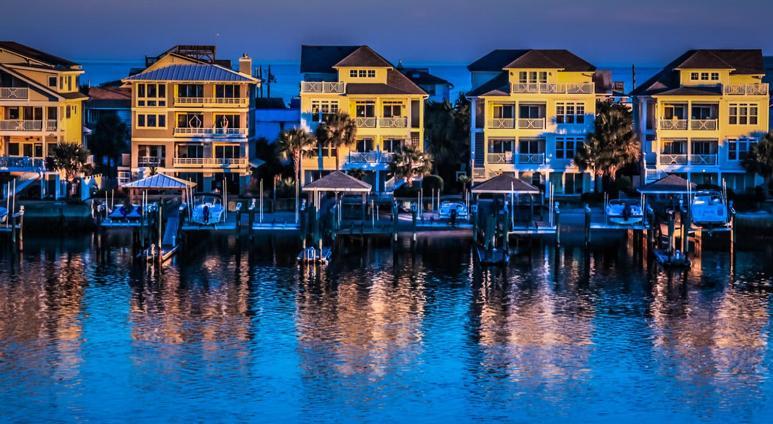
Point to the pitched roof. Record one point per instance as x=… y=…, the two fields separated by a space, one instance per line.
x=505 y=183
x=692 y=91
x=397 y=83
x=197 y=72
x=741 y=62
x=338 y=181
x=36 y=55
x=500 y=59
x=497 y=86
x=160 y=182
x=364 y=56
x=421 y=76
x=321 y=59
x=669 y=184
x=110 y=93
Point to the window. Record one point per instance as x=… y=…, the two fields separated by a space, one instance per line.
x=504 y=111
x=703 y=112
x=365 y=109
x=52 y=81
x=328 y=151
x=227 y=152
x=531 y=111
x=393 y=145
x=531 y=146
x=228 y=121
x=573 y=183
x=151 y=120
x=190 y=90
x=353 y=73
x=532 y=77
x=150 y=151
x=67 y=112
x=674 y=147
x=694 y=76
x=227 y=91
x=393 y=109
x=743 y=114
x=704 y=76
x=500 y=145
x=566 y=147
x=151 y=95
x=737 y=149
x=704 y=147
x=675 y=112
x=570 y=113
x=715 y=76
x=364 y=145
x=190 y=120
x=190 y=151
x=322 y=108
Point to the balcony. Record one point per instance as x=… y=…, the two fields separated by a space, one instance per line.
x=703 y=124
x=373 y=157
x=705 y=159
x=745 y=89
x=545 y=88
x=21 y=163
x=21 y=125
x=204 y=162
x=320 y=87
x=667 y=159
x=393 y=122
x=14 y=93
x=501 y=123
x=150 y=161
x=499 y=158
x=223 y=101
x=211 y=132
x=673 y=124
x=365 y=122
x=531 y=123
x=531 y=158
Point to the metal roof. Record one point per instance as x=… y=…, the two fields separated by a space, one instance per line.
x=197 y=72
x=504 y=184
x=670 y=184
x=160 y=182
x=337 y=181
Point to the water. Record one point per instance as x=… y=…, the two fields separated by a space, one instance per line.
x=236 y=331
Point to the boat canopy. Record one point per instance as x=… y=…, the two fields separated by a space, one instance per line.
x=505 y=184
x=670 y=184
x=338 y=182
x=159 y=182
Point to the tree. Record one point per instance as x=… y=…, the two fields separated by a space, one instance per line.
x=337 y=130
x=109 y=140
x=297 y=143
x=612 y=145
x=447 y=132
x=410 y=163
x=69 y=159
x=760 y=159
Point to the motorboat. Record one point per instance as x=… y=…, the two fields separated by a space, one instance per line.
x=311 y=255
x=624 y=211
x=126 y=213
x=708 y=208
x=208 y=210
x=3 y=215
x=447 y=206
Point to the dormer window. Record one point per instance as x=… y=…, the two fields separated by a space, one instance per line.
x=704 y=76
x=362 y=73
x=52 y=81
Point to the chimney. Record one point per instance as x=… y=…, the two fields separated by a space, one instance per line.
x=245 y=65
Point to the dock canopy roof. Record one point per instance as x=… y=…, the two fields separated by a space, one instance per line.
x=159 y=182
x=670 y=184
x=337 y=181
x=504 y=184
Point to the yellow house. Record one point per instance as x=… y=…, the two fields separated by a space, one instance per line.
x=531 y=109
x=700 y=114
x=191 y=118
x=40 y=106
x=387 y=106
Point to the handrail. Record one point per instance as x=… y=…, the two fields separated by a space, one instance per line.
x=21 y=125
x=212 y=100
x=499 y=158
x=365 y=122
x=211 y=131
x=331 y=87
x=14 y=93
x=549 y=88
x=531 y=158
x=210 y=161
x=672 y=159
x=703 y=124
x=393 y=122
x=745 y=89
x=531 y=123
x=501 y=123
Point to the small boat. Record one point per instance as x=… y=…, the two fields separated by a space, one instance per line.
x=312 y=255
x=447 y=206
x=208 y=210
x=672 y=260
x=494 y=256
x=3 y=215
x=624 y=212
x=125 y=213
x=708 y=208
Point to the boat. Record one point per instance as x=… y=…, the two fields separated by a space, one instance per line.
x=447 y=206
x=708 y=208
x=3 y=215
x=493 y=256
x=208 y=210
x=125 y=213
x=675 y=260
x=624 y=211
x=312 y=255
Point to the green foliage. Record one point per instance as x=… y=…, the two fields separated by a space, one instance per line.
x=410 y=163
x=70 y=159
x=295 y=143
x=432 y=182
x=447 y=134
x=760 y=158
x=337 y=130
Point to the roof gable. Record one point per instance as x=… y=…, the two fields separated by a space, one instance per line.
x=505 y=183
x=531 y=58
x=338 y=181
x=364 y=56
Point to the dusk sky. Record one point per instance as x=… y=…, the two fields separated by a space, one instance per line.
x=603 y=31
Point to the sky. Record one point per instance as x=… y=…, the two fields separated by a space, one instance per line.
x=610 y=32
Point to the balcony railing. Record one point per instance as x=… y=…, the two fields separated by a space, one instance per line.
x=499 y=158
x=393 y=122
x=235 y=101
x=14 y=93
x=21 y=125
x=211 y=132
x=501 y=123
x=673 y=124
x=706 y=159
x=671 y=159
x=703 y=124
x=322 y=87
x=209 y=162
x=745 y=89
x=150 y=161
x=372 y=157
x=52 y=125
x=545 y=88
x=21 y=163
x=366 y=122
x=531 y=158
x=531 y=123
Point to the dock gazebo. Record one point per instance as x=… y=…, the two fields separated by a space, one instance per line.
x=509 y=187
x=337 y=182
x=669 y=185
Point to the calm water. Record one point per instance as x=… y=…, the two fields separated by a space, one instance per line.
x=233 y=331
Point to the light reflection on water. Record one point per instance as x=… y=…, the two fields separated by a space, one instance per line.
x=236 y=330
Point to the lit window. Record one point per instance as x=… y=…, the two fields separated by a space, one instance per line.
x=353 y=73
x=743 y=114
x=715 y=76
x=371 y=73
x=570 y=113
x=694 y=76
x=704 y=76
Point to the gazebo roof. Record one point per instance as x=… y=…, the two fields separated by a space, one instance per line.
x=670 y=184
x=504 y=184
x=159 y=182
x=337 y=181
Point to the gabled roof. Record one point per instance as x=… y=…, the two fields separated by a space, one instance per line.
x=321 y=59
x=497 y=86
x=670 y=184
x=337 y=181
x=160 y=182
x=364 y=56
x=36 y=55
x=9 y=69
x=397 y=83
x=197 y=72
x=500 y=59
x=505 y=184
x=421 y=76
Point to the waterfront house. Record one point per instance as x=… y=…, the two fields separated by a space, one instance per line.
x=438 y=89
x=531 y=109
x=192 y=117
x=40 y=106
x=700 y=114
x=387 y=106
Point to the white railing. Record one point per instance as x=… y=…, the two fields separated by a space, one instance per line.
x=705 y=159
x=52 y=125
x=393 y=122
x=367 y=122
x=238 y=101
x=372 y=157
x=745 y=89
x=150 y=161
x=211 y=132
x=322 y=87
x=478 y=173
x=673 y=124
x=14 y=93
x=21 y=163
x=703 y=124
x=670 y=159
x=20 y=125
x=499 y=158
x=209 y=161
x=500 y=123
x=545 y=88
x=531 y=123
x=531 y=158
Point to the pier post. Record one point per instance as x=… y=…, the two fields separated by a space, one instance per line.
x=588 y=213
x=557 y=222
x=20 y=244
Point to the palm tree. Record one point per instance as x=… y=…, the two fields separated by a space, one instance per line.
x=760 y=159
x=69 y=159
x=297 y=143
x=409 y=163
x=336 y=131
x=612 y=145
